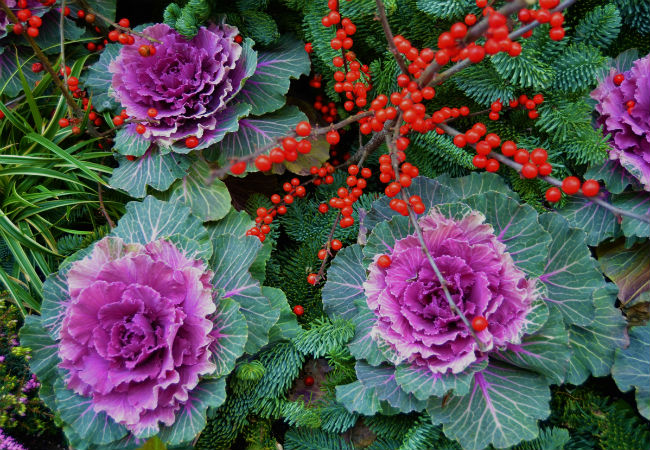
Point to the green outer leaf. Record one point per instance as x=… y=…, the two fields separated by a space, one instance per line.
x=616 y=178
x=383 y=237
x=363 y=346
x=191 y=418
x=230 y=333
x=152 y=219
x=424 y=384
x=233 y=256
x=594 y=345
x=356 y=397
x=599 y=223
x=344 y=285
x=570 y=274
x=255 y=133
x=104 y=7
x=99 y=79
x=227 y=122
x=10 y=84
x=265 y=91
x=287 y=326
x=382 y=379
x=546 y=352
x=632 y=368
x=153 y=169
x=502 y=408
x=53 y=307
x=191 y=248
x=235 y=223
x=517 y=227
x=45 y=358
x=637 y=202
x=78 y=413
x=628 y=268
x=206 y=201
x=128 y=142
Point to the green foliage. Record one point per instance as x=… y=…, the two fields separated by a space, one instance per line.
x=578 y=67
x=597 y=421
x=423 y=434
x=335 y=418
x=445 y=9
x=483 y=84
x=391 y=427
x=307 y=439
x=324 y=336
x=188 y=18
x=258 y=435
x=600 y=26
x=635 y=13
x=549 y=439
x=525 y=71
x=300 y=415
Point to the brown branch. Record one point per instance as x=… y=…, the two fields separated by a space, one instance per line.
x=389 y=37
x=418 y=231
x=48 y=67
x=102 y=208
x=321 y=271
x=553 y=181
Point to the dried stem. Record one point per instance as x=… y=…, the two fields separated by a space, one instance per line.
x=554 y=181
x=418 y=231
x=389 y=37
x=102 y=208
x=321 y=271
x=48 y=67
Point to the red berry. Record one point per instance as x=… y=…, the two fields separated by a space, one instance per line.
x=238 y=168
x=191 y=142
x=130 y=158
x=384 y=261
x=557 y=34
x=322 y=254
x=522 y=156
x=479 y=323
x=152 y=112
x=479 y=161
x=117 y=121
x=312 y=278
x=529 y=170
x=545 y=169
x=63 y=122
x=470 y=20
x=476 y=54
x=590 y=188
x=618 y=79
x=553 y=195
x=263 y=163
x=32 y=31
x=323 y=208
x=309 y=380
x=570 y=185
x=460 y=140
x=538 y=156
x=332 y=137
x=298 y=310
x=336 y=245
x=140 y=129
x=303 y=129
x=492 y=165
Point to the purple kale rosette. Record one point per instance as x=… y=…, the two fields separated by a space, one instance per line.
x=628 y=123
x=136 y=332
x=188 y=81
x=526 y=283
x=413 y=314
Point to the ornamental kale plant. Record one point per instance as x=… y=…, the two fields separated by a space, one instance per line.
x=139 y=331
x=541 y=313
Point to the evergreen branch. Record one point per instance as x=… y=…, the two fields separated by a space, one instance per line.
x=48 y=67
x=553 y=181
x=389 y=37
x=418 y=231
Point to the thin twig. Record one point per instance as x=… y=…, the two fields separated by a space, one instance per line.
x=62 y=41
x=554 y=181
x=418 y=231
x=48 y=67
x=102 y=208
x=84 y=5
x=389 y=37
x=321 y=271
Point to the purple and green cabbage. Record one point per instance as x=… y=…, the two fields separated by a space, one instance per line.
x=138 y=331
x=550 y=313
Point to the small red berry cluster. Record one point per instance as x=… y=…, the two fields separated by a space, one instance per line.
x=531 y=104
x=29 y=21
x=618 y=80
x=544 y=15
x=122 y=37
x=328 y=110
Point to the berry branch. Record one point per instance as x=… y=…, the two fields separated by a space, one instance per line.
x=418 y=231
x=551 y=180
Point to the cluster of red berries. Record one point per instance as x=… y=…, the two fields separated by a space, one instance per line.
x=122 y=37
x=544 y=15
x=530 y=104
x=29 y=22
x=287 y=151
x=265 y=216
x=328 y=110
